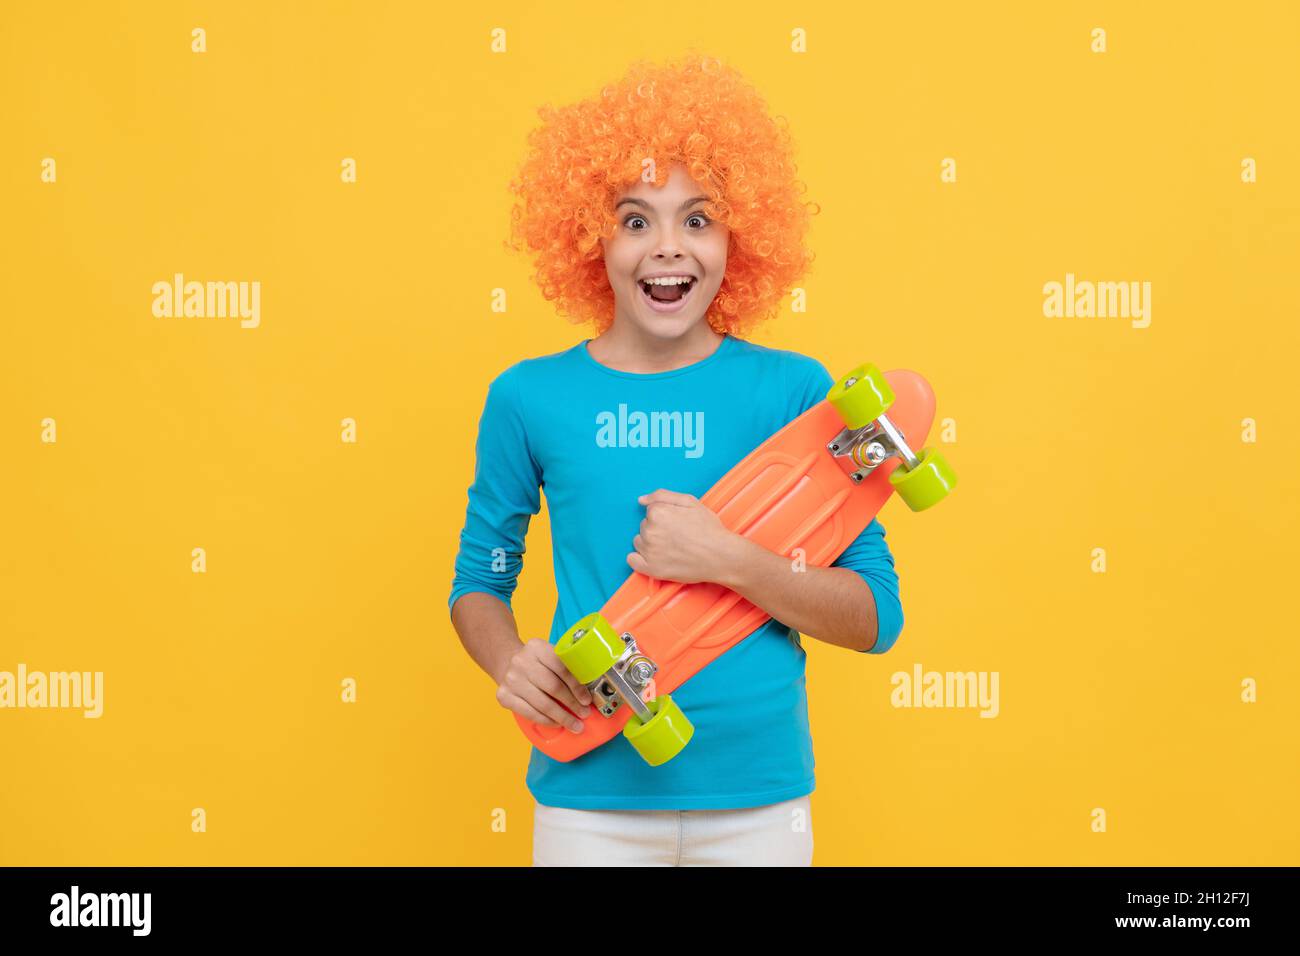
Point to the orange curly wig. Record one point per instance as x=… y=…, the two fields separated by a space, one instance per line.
x=695 y=111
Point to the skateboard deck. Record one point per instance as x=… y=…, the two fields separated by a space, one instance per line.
x=789 y=493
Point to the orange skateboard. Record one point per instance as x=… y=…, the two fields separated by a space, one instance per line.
x=812 y=487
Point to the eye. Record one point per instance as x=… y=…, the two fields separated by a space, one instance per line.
x=704 y=220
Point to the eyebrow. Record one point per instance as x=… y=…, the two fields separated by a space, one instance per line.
x=646 y=205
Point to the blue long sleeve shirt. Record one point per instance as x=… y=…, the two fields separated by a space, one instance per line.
x=594 y=439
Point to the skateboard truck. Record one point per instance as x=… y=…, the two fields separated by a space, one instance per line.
x=617 y=672
x=871 y=445
x=869 y=439
x=628 y=679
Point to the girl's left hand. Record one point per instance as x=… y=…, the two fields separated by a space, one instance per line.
x=683 y=540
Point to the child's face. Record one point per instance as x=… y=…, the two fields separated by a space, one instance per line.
x=665 y=231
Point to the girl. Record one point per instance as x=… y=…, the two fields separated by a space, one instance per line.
x=665 y=212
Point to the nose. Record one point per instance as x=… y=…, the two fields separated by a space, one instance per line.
x=667 y=244
x=668 y=247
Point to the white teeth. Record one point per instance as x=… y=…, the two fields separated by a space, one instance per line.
x=668 y=280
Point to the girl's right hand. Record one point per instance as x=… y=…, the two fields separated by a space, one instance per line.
x=536 y=683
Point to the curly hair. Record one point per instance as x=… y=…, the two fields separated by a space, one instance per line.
x=695 y=111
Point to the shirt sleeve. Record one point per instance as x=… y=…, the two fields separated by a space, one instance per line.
x=868 y=555
x=502 y=499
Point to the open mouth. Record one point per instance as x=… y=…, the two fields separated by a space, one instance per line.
x=667 y=297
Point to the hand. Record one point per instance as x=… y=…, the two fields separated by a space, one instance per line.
x=683 y=540
x=536 y=683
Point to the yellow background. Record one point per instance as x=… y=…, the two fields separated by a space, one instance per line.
x=327 y=560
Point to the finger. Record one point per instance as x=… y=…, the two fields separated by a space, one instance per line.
x=549 y=706
x=637 y=563
x=638 y=543
x=581 y=692
x=555 y=679
x=668 y=497
x=579 y=689
x=512 y=701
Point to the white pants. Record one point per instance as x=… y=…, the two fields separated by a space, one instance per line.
x=779 y=834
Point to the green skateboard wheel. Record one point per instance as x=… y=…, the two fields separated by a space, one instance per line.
x=862 y=396
x=590 y=647
x=663 y=736
x=926 y=484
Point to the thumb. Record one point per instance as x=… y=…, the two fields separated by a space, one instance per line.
x=668 y=497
